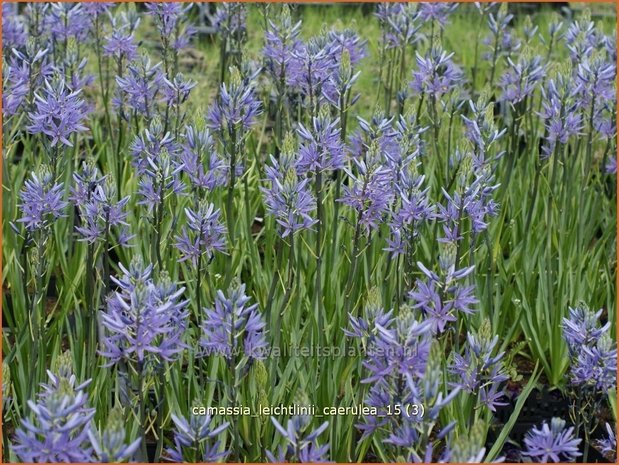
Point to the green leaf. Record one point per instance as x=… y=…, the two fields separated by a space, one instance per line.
x=522 y=398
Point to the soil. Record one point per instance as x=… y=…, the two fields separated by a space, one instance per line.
x=542 y=405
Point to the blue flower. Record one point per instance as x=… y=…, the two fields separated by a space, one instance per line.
x=592 y=351
x=230 y=18
x=521 y=78
x=140 y=88
x=59 y=113
x=300 y=447
x=289 y=197
x=110 y=445
x=480 y=370
x=67 y=20
x=438 y=12
x=551 y=443
x=370 y=191
x=121 y=44
x=608 y=445
x=144 y=320
x=321 y=146
x=234 y=328
x=436 y=73
x=58 y=430
x=168 y=18
x=201 y=162
x=559 y=112
x=442 y=297
x=281 y=45
x=13 y=30
x=202 y=235
x=41 y=201
x=236 y=107
x=100 y=212
x=399 y=23
x=196 y=435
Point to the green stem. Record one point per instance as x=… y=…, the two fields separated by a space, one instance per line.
x=199 y=291
x=37 y=316
x=475 y=62
x=142 y=411
x=273 y=286
x=319 y=232
x=290 y=286
x=230 y=205
x=90 y=311
x=160 y=416
x=354 y=258
x=495 y=55
x=589 y=142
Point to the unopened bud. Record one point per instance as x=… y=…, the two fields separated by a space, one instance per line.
x=235 y=77
x=447 y=257
x=261 y=374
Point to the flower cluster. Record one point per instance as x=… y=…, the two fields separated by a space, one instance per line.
x=194 y=437
x=144 y=320
x=522 y=77
x=234 y=328
x=158 y=165
x=438 y=12
x=289 y=198
x=281 y=45
x=559 y=111
x=58 y=430
x=168 y=18
x=593 y=353
x=202 y=235
x=100 y=212
x=501 y=41
x=13 y=30
x=41 y=201
x=236 y=107
x=120 y=44
x=370 y=191
x=436 y=73
x=321 y=146
x=480 y=370
x=201 y=162
x=482 y=132
x=230 y=19
x=110 y=444
x=552 y=442
x=140 y=88
x=232 y=115
x=472 y=199
x=59 y=113
x=581 y=38
x=315 y=65
x=404 y=369
x=300 y=447
x=399 y=23
x=24 y=71
x=441 y=297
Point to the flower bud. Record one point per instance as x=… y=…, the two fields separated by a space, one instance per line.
x=235 y=77
x=447 y=257
x=64 y=364
x=261 y=374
